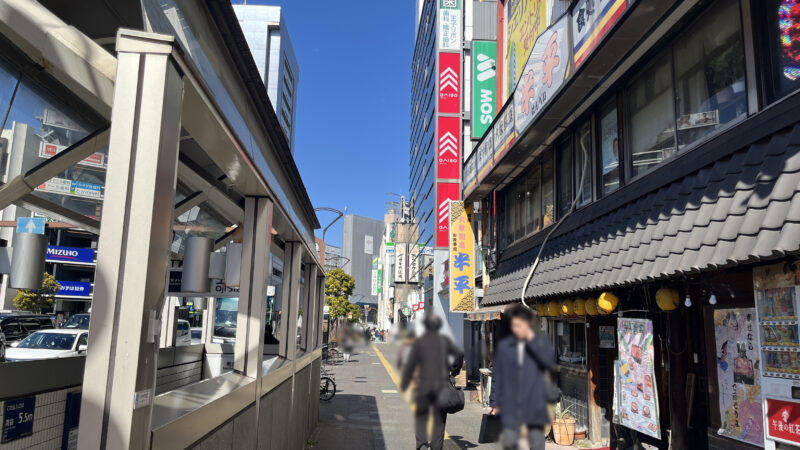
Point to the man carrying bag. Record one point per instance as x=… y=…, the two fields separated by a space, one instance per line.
x=435 y=393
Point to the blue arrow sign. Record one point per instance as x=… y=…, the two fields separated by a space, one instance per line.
x=33 y=225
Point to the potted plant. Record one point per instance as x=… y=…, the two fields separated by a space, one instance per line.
x=563 y=426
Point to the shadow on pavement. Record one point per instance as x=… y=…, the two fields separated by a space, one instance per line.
x=349 y=421
x=461 y=442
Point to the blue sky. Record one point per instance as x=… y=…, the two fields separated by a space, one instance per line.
x=352 y=135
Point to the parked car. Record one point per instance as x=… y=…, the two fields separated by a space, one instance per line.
x=197 y=335
x=182 y=334
x=18 y=325
x=79 y=321
x=48 y=344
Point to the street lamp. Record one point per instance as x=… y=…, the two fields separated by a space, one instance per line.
x=333 y=210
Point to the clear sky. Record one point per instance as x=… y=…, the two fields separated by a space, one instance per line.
x=352 y=132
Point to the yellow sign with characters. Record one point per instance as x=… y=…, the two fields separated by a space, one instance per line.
x=527 y=19
x=462 y=258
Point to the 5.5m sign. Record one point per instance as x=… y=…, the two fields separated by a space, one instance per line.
x=484 y=76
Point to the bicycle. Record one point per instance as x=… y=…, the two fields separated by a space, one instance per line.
x=327 y=385
x=331 y=355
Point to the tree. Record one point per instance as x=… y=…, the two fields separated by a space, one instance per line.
x=338 y=288
x=356 y=310
x=40 y=299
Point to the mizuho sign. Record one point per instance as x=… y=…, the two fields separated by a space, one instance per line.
x=484 y=76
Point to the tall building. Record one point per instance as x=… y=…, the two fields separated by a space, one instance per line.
x=268 y=39
x=361 y=242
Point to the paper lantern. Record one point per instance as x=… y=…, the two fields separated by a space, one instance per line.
x=591 y=306
x=667 y=299
x=607 y=302
x=553 y=309
x=540 y=311
x=580 y=307
x=568 y=307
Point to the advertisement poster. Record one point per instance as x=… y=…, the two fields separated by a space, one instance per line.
x=591 y=20
x=400 y=263
x=368 y=244
x=445 y=193
x=607 y=336
x=449 y=83
x=72 y=187
x=783 y=420
x=526 y=20
x=462 y=259
x=637 y=402
x=484 y=75
x=543 y=74
x=449 y=148
x=740 y=402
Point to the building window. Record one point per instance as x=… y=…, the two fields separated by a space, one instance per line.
x=529 y=201
x=583 y=152
x=564 y=167
x=548 y=173
x=782 y=26
x=609 y=149
x=571 y=343
x=652 y=116
x=533 y=201
x=709 y=74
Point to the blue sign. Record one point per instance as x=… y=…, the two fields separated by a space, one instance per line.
x=18 y=418
x=69 y=254
x=75 y=288
x=72 y=412
x=33 y=225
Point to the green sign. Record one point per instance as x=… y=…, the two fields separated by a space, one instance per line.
x=484 y=76
x=380 y=281
x=450 y=4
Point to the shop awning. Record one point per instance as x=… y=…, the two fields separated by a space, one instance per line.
x=741 y=209
x=486 y=313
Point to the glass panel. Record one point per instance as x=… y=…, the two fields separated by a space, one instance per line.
x=652 y=117
x=225 y=317
x=583 y=151
x=564 y=166
x=783 y=45
x=8 y=81
x=533 y=201
x=198 y=221
x=547 y=189
x=709 y=72
x=272 y=323
x=609 y=149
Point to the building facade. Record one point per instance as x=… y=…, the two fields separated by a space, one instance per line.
x=647 y=156
x=267 y=36
x=361 y=242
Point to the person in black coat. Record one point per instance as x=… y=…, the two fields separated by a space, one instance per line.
x=431 y=354
x=518 y=380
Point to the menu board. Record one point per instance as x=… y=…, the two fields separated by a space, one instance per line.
x=776 y=304
x=636 y=382
x=739 y=383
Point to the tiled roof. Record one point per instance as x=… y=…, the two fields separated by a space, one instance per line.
x=741 y=209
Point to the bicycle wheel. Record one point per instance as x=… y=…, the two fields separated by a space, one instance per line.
x=327 y=389
x=334 y=356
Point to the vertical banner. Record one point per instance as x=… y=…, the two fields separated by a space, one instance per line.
x=449 y=148
x=591 y=20
x=637 y=393
x=450 y=25
x=484 y=75
x=526 y=21
x=445 y=193
x=449 y=83
x=739 y=380
x=374 y=280
x=400 y=263
x=413 y=263
x=462 y=259
x=380 y=279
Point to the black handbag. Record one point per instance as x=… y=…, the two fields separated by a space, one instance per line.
x=491 y=427
x=449 y=399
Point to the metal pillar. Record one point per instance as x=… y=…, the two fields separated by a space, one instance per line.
x=209 y=319
x=310 y=312
x=130 y=282
x=291 y=299
x=321 y=309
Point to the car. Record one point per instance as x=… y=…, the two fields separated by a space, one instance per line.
x=182 y=334
x=47 y=344
x=79 y=321
x=19 y=324
x=197 y=335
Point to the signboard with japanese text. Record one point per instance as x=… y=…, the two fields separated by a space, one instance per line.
x=462 y=258
x=374 y=283
x=606 y=336
x=484 y=76
x=591 y=20
x=503 y=134
x=783 y=420
x=738 y=377
x=18 y=417
x=48 y=150
x=74 y=288
x=636 y=390
x=450 y=25
x=449 y=83
x=445 y=193
x=470 y=172
x=400 y=263
x=526 y=20
x=72 y=187
x=413 y=263
x=380 y=280
x=449 y=148
x=485 y=154
x=543 y=74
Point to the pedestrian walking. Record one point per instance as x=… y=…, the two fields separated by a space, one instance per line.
x=519 y=385
x=430 y=355
x=347 y=345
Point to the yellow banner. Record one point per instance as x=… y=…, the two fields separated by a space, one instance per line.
x=462 y=258
x=527 y=19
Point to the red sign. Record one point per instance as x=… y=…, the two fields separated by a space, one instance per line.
x=445 y=192
x=449 y=83
x=50 y=150
x=449 y=148
x=783 y=420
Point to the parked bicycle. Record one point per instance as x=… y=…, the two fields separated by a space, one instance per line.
x=327 y=385
x=331 y=355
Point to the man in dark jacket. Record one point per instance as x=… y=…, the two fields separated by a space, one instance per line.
x=518 y=390
x=431 y=354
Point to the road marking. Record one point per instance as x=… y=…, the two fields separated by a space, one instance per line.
x=389 y=391
x=396 y=380
x=377 y=364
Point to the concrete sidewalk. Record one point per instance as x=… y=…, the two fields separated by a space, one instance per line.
x=369 y=412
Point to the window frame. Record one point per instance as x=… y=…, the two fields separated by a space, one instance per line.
x=615 y=101
x=591 y=166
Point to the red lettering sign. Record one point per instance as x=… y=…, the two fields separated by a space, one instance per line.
x=449 y=83
x=445 y=192
x=449 y=148
x=783 y=420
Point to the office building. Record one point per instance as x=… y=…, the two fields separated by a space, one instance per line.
x=361 y=242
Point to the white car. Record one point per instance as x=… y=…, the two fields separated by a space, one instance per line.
x=48 y=344
x=182 y=334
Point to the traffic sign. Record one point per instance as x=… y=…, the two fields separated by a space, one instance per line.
x=33 y=225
